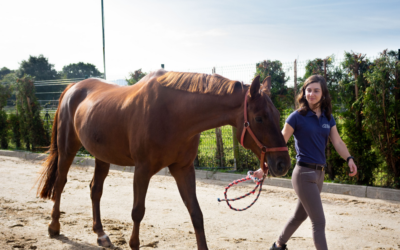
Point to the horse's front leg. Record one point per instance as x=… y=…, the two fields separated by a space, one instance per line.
x=141 y=181
x=96 y=191
x=186 y=181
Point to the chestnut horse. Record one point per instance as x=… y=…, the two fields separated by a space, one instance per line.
x=151 y=125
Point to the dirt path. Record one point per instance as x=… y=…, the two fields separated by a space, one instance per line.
x=352 y=223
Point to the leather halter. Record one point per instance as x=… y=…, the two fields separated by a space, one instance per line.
x=263 y=148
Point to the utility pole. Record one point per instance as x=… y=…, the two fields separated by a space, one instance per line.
x=104 y=45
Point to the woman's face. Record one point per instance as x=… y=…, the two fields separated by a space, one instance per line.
x=313 y=94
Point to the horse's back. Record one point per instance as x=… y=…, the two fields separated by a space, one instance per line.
x=125 y=125
x=96 y=111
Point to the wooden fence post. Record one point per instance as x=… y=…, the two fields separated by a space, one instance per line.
x=220 y=147
x=235 y=145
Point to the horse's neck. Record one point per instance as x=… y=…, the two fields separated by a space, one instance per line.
x=214 y=111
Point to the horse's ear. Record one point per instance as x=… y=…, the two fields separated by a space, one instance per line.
x=255 y=87
x=267 y=85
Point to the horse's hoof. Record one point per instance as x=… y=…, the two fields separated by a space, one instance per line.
x=104 y=241
x=53 y=233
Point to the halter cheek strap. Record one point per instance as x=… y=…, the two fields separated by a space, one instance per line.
x=263 y=148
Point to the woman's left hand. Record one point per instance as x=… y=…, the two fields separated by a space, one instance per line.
x=353 y=168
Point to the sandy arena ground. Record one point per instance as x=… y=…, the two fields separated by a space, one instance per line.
x=352 y=223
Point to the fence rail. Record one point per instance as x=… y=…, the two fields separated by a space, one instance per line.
x=209 y=157
x=215 y=152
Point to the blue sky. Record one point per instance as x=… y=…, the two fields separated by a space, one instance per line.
x=179 y=34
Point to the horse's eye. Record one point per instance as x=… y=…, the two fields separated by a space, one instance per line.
x=259 y=119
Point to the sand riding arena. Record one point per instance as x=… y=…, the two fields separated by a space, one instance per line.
x=351 y=223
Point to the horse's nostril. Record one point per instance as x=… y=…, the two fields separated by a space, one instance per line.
x=281 y=166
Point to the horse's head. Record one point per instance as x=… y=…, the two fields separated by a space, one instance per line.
x=263 y=120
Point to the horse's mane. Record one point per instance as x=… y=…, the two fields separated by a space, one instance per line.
x=198 y=83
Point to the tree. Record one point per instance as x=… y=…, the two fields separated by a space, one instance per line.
x=280 y=95
x=10 y=79
x=5 y=92
x=353 y=85
x=80 y=70
x=329 y=71
x=4 y=71
x=38 y=67
x=381 y=111
x=31 y=124
x=135 y=77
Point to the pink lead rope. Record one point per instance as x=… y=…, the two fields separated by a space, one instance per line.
x=250 y=176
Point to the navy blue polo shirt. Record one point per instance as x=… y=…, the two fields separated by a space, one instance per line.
x=310 y=135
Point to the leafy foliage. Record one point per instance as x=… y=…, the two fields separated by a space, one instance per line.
x=31 y=125
x=332 y=75
x=15 y=129
x=135 y=76
x=3 y=130
x=4 y=71
x=80 y=70
x=9 y=79
x=352 y=88
x=5 y=93
x=382 y=111
x=281 y=96
x=38 y=67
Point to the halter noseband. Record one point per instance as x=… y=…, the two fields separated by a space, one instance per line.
x=263 y=148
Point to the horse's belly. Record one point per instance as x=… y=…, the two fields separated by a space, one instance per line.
x=105 y=139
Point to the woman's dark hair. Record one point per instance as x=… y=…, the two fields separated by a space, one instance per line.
x=324 y=103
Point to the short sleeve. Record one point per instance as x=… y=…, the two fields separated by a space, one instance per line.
x=292 y=119
x=332 y=121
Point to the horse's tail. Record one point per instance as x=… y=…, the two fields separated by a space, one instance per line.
x=49 y=173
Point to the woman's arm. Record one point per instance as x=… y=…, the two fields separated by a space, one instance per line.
x=287 y=132
x=342 y=149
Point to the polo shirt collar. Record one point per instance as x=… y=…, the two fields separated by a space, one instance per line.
x=311 y=113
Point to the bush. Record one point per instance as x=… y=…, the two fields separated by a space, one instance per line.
x=31 y=125
x=3 y=130
x=15 y=128
x=381 y=110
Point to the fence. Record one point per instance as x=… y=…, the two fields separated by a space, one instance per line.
x=210 y=154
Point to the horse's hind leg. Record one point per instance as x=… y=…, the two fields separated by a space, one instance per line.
x=140 y=185
x=96 y=190
x=65 y=159
x=186 y=181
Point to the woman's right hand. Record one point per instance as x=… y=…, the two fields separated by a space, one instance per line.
x=259 y=174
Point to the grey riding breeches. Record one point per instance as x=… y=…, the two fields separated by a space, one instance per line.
x=307 y=183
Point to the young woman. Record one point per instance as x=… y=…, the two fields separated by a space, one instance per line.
x=311 y=126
